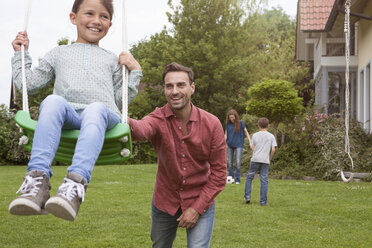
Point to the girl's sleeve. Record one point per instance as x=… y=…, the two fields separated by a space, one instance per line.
x=134 y=80
x=36 y=78
x=242 y=124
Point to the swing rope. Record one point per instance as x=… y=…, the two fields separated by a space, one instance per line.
x=347 y=93
x=24 y=84
x=124 y=118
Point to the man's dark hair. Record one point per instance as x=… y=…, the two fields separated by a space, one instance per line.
x=172 y=67
x=263 y=122
x=106 y=3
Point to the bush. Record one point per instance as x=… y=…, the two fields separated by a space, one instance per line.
x=331 y=142
x=143 y=153
x=315 y=146
x=10 y=151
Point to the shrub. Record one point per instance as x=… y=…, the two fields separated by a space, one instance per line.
x=331 y=142
x=315 y=146
x=143 y=153
x=10 y=151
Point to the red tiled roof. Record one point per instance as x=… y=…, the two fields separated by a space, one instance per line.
x=314 y=14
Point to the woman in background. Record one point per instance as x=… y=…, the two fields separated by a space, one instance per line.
x=235 y=133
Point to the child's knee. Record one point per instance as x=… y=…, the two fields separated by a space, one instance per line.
x=52 y=103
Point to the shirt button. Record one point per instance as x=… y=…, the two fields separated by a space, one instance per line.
x=183 y=155
x=183 y=142
x=184 y=181
x=184 y=168
x=181 y=189
x=179 y=127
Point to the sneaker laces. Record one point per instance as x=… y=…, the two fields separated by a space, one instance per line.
x=70 y=189
x=29 y=186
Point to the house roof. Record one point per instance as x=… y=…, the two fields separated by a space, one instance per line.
x=314 y=14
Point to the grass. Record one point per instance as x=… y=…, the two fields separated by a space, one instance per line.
x=117 y=213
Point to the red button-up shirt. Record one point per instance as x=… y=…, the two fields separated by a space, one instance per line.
x=192 y=167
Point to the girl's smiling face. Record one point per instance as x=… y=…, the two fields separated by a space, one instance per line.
x=232 y=118
x=92 y=21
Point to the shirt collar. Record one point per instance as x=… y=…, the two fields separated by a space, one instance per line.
x=193 y=115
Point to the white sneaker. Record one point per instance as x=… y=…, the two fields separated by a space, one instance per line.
x=237 y=183
x=66 y=203
x=34 y=193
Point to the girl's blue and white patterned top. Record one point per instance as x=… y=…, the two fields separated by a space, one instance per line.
x=83 y=73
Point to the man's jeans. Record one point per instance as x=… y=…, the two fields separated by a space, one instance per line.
x=230 y=156
x=164 y=229
x=56 y=113
x=264 y=175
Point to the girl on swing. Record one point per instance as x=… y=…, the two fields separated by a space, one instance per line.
x=86 y=96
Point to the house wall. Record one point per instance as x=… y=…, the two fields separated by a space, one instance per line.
x=364 y=61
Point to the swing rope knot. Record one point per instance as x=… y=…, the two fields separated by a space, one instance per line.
x=23 y=140
x=125 y=152
x=124 y=139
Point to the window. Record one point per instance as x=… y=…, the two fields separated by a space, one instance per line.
x=361 y=98
x=354 y=96
x=368 y=97
x=334 y=87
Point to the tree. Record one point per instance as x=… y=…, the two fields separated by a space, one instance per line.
x=206 y=36
x=229 y=46
x=276 y=100
x=272 y=35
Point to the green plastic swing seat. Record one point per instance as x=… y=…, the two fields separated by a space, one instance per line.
x=117 y=146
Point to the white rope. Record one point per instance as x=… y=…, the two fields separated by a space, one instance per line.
x=24 y=83
x=347 y=94
x=124 y=118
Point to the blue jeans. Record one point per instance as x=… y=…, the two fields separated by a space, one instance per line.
x=264 y=176
x=230 y=156
x=164 y=229
x=56 y=113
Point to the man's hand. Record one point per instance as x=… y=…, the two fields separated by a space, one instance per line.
x=129 y=61
x=188 y=218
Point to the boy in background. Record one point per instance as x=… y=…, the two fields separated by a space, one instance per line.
x=263 y=146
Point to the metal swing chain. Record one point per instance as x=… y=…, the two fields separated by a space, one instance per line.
x=347 y=93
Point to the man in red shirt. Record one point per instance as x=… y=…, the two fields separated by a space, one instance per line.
x=191 y=149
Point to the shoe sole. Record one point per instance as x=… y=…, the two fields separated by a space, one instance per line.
x=60 y=208
x=23 y=206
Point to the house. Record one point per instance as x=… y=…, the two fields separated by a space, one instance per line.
x=320 y=39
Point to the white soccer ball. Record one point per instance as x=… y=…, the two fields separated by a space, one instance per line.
x=230 y=180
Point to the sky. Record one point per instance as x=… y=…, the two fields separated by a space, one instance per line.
x=49 y=21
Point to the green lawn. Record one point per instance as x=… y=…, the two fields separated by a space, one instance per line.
x=117 y=213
